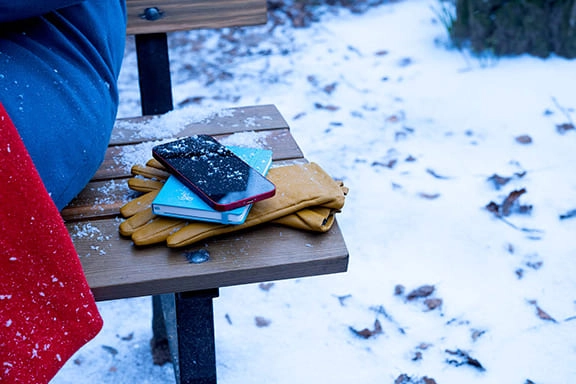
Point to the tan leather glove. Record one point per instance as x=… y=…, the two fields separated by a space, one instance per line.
x=306 y=198
x=318 y=219
x=298 y=187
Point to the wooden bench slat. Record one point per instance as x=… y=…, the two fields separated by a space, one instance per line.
x=178 y=15
x=118 y=160
x=99 y=199
x=254 y=118
x=116 y=269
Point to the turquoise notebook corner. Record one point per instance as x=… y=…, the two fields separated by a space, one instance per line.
x=177 y=200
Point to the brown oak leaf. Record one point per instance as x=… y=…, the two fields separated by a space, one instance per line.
x=368 y=333
x=423 y=291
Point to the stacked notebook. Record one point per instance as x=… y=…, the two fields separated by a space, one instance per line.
x=177 y=200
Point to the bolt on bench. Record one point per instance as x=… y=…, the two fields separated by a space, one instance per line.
x=183 y=291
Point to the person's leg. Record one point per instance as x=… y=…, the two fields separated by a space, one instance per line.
x=58 y=76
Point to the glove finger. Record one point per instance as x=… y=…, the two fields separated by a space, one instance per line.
x=155 y=164
x=317 y=219
x=157 y=230
x=150 y=172
x=144 y=185
x=196 y=231
x=138 y=204
x=134 y=222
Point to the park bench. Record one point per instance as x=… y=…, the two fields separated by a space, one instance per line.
x=184 y=291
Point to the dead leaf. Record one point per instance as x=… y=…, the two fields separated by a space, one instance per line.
x=510 y=200
x=423 y=291
x=476 y=333
x=424 y=346
x=568 y=215
x=389 y=164
x=111 y=350
x=191 y=100
x=410 y=159
x=436 y=175
x=312 y=80
x=404 y=62
x=262 y=322
x=342 y=299
x=429 y=196
x=330 y=108
x=433 y=303
x=368 y=333
x=403 y=379
x=299 y=115
x=399 y=289
x=543 y=315
x=417 y=356
x=382 y=311
x=399 y=135
x=510 y=248
x=565 y=127
x=463 y=358
x=499 y=181
x=330 y=88
x=509 y=205
x=524 y=139
x=128 y=337
x=535 y=265
x=493 y=207
x=265 y=286
x=382 y=52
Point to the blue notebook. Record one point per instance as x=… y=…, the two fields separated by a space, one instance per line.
x=177 y=200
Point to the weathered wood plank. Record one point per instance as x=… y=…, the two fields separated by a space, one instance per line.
x=119 y=159
x=252 y=118
x=98 y=200
x=178 y=15
x=116 y=269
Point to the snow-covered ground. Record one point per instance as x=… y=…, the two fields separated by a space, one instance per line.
x=440 y=289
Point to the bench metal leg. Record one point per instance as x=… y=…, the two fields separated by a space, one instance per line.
x=154 y=73
x=189 y=322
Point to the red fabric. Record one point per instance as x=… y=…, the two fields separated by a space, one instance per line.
x=47 y=311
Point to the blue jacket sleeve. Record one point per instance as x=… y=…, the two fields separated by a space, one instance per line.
x=58 y=84
x=11 y=10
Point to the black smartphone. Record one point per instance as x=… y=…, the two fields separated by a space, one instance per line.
x=213 y=172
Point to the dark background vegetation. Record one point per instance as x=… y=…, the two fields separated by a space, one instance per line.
x=512 y=27
x=499 y=27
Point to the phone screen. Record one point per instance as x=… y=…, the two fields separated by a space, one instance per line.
x=214 y=172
